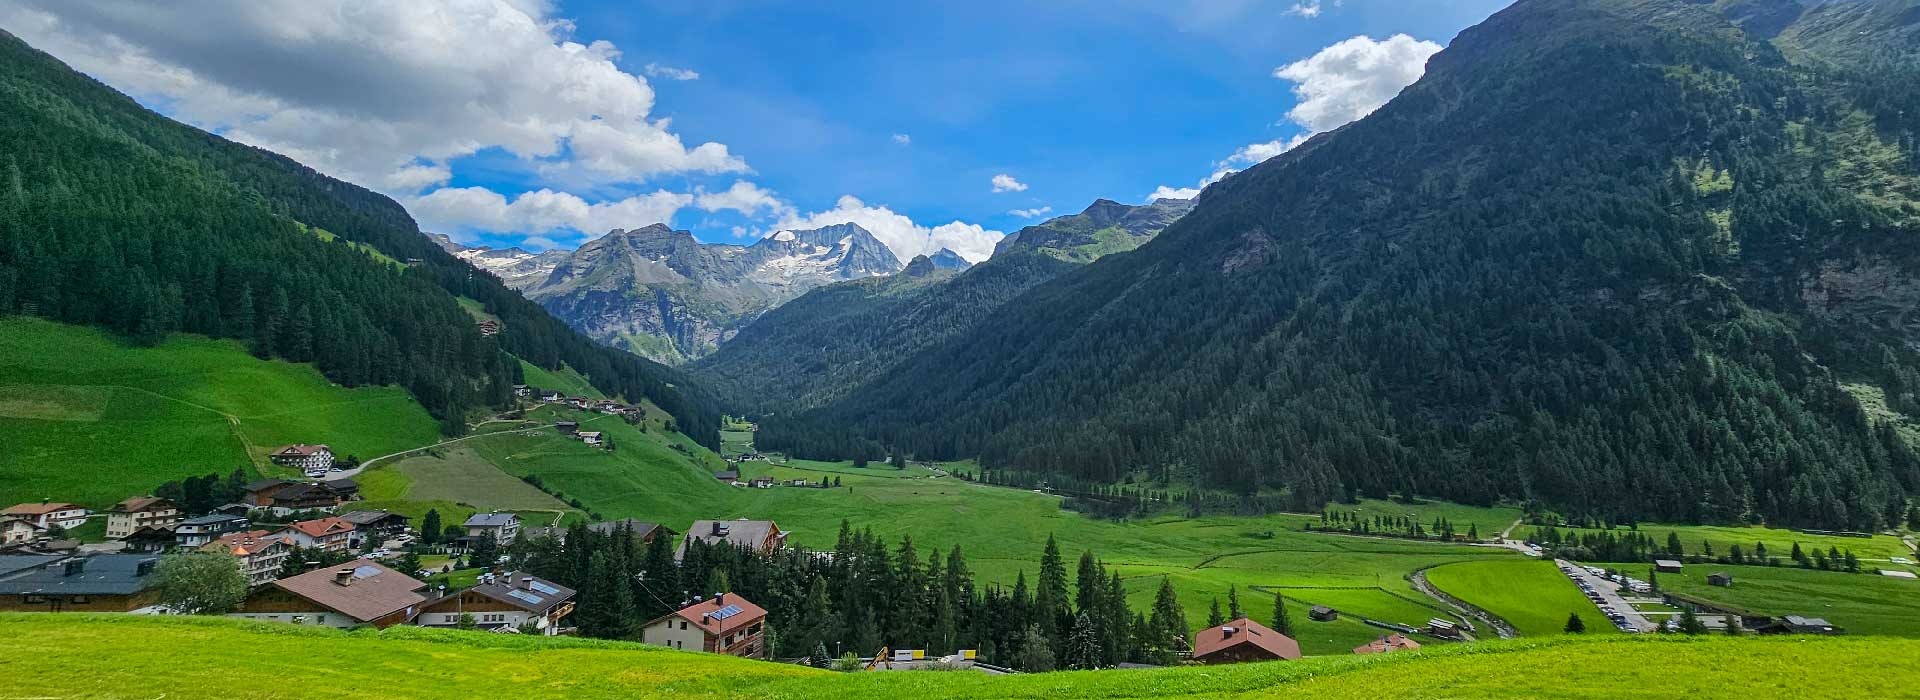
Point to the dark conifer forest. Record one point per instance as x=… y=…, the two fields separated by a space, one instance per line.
x=1622 y=258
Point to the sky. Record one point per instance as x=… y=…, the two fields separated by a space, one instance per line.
x=546 y=123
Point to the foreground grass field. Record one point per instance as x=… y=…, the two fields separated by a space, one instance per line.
x=82 y=656
x=1531 y=594
x=89 y=419
x=1859 y=603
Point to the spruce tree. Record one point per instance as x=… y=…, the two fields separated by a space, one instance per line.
x=1050 y=603
x=606 y=609
x=1575 y=625
x=1214 y=618
x=1281 y=622
x=1234 y=612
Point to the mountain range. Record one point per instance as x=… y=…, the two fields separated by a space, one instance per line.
x=835 y=338
x=665 y=296
x=1623 y=259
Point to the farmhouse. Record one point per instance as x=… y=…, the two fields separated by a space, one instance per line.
x=140 y=511
x=18 y=531
x=312 y=459
x=1796 y=624
x=1667 y=566
x=1240 y=641
x=589 y=437
x=489 y=327
x=196 y=532
x=761 y=536
x=500 y=526
x=728 y=476
x=48 y=515
x=359 y=592
x=260 y=553
x=507 y=601
x=761 y=482
x=324 y=534
x=147 y=540
x=1388 y=644
x=551 y=396
x=726 y=624
x=375 y=524
x=64 y=583
x=284 y=497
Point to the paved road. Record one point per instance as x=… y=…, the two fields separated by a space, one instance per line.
x=1609 y=594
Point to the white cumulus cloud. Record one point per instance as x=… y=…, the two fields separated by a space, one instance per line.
x=666 y=72
x=1005 y=183
x=1309 y=9
x=903 y=139
x=901 y=235
x=745 y=197
x=459 y=209
x=1032 y=213
x=1338 y=85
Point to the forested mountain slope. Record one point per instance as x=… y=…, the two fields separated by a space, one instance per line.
x=834 y=339
x=1615 y=255
x=112 y=215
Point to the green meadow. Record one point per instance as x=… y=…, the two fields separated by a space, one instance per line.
x=1864 y=603
x=1530 y=594
x=662 y=477
x=87 y=418
x=564 y=380
x=39 y=654
x=1696 y=539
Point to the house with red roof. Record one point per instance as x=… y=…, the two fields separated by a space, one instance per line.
x=723 y=624
x=1241 y=641
x=327 y=534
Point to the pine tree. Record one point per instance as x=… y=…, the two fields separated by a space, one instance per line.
x=1673 y=544
x=1083 y=645
x=1281 y=622
x=606 y=609
x=1050 y=601
x=1234 y=612
x=1690 y=622
x=1169 y=620
x=1214 y=618
x=1575 y=625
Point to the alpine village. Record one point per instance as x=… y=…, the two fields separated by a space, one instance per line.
x=1579 y=361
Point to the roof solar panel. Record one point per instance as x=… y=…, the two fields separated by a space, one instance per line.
x=726 y=612
x=544 y=588
x=523 y=595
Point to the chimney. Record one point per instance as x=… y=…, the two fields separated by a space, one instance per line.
x=719 y=528
x=343 y=577
x=719 y=599
x=1226 y=632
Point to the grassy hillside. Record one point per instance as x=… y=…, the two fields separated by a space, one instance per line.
x=38 y=654
x=87 y=418
x=564 y=380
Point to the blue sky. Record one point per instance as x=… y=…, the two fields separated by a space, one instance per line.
x=896 y=115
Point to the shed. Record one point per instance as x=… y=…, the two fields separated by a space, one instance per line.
x=1720 y=578
x=1666 y=566
x=1322 y=613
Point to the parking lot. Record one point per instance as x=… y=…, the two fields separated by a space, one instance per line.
x=1608 y=595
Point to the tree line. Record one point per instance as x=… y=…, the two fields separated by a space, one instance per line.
x=864 y=595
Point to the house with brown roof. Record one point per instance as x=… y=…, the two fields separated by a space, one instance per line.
x=1241 y=641
x=49 y=514
x=260 y=553
x=375 y=524
x=140 y=511
x=283 y=497
x=325 y=534
x=18 y=530
x=725 y=624
x=314 y=460
x=505 y=601
x=761 y=536
x=359 y=592
x=1387 y=644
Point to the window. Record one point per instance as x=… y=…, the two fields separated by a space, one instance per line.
x=36 y=599
x=683 y=624
x=81 y=600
